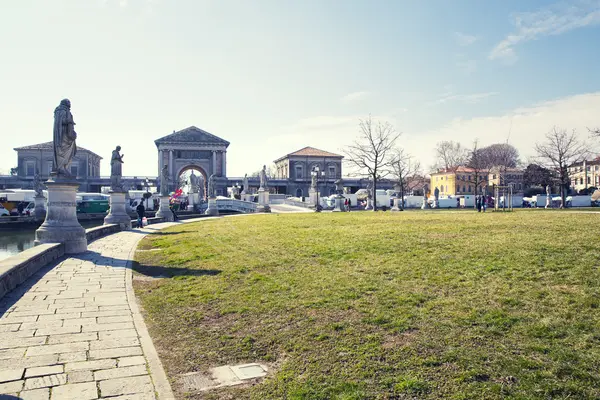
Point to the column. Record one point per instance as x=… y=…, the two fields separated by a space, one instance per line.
x=224 y=163
x=214 y=162
x=160 y=161
x=171 y=163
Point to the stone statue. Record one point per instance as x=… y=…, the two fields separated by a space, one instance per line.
x=313 y=182
x=116 y=162
x=194 y=183
x=436 y=194
x=339 y=186
x=63 y=139
x=164 y=181
x=245 y=183
x=211 y=186
x=548 y=197
x=38 y=186
x=201 y=188
x=370 y=190
x=263 y=177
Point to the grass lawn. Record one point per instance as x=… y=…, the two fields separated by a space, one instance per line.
x=453 y=305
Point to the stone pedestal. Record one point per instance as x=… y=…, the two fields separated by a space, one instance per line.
x=425 y=204
x=61 y=224
x=548 y=202
x=339 y=203
x=212 y=207
x=369 y=204
x=263 y=201
x=118 y=211
x=396 y=206
x=163 y=209
x=39 y=212
x=193 y=199
x=312 y=197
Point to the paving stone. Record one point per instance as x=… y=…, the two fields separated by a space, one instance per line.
x=10 y=319
x=57 y=348
x=59 y=330
x=9 y=327
x=11 y=353
x=72 y=357
x=127 y=361
x=138 y=396
x=117 y=352
x=110 y=313
x=27 y=362
x=41 y=324
x=45 y=381
x=11 y=387
x=114 y=343
x=40 y=371
x=6 y=343
x=108 y=327
x=121 y=372
x=75 y=304
x=117 y=334
x=76 y=391
x=111 y=320
x=121 y=386
x=91 y=365
x=17 y=334
x=36 y=394
x=57 y=316
x=80 y=321
x=110 y=308
x=80 y=376
x=8 y=375
x=71 y=338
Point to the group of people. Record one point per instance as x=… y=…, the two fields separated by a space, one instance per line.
x=347 y=205
x=480 y=203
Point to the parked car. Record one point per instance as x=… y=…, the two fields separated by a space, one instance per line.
x=3 y=211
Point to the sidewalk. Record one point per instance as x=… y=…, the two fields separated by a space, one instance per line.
x=74 y=331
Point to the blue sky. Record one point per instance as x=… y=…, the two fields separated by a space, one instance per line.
x=274 y=76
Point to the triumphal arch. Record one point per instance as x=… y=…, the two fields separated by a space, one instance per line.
x=194 y=149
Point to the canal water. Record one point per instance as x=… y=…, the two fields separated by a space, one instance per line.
x=14 y=241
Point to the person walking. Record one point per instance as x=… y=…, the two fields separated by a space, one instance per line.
x=349 y=205
x=141 y=212
x=478 y=203
x=175 y=218
x=483 y=203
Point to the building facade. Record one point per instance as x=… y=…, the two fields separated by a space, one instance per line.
x=508 y=177
x=585 y=174
x=296 y=169
x=457 y=182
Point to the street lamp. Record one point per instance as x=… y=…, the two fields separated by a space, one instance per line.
x=315 y=172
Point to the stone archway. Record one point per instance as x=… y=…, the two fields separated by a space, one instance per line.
x=195 y=167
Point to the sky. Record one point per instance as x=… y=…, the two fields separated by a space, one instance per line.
x=273 y=76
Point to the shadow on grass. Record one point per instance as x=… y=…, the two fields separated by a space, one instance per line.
x=156 y=271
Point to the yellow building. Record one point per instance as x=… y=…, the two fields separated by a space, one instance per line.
x=457 y=182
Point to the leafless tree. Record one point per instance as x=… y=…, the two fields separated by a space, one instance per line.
x=500 y=157
x=450 y=155
x=371 y=154
x=479 y=161
x=558 y=152
x=404 y=170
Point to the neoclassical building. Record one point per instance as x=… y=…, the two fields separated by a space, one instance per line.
x=296 y=168
x=193 y=148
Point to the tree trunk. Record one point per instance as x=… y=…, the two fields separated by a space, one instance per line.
x=374 y=192
x=402 y=197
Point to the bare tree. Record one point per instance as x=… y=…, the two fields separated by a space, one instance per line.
x=405 y=170
x=450 y=155
x=372 y=153
x=558 y=152
x=479 y=162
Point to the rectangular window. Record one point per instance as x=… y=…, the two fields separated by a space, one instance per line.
x=30 y=168
x=332 y=172
x=589 y=180
x=298 y=172
x=74 y=168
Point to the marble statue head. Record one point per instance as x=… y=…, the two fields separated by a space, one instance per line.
x=118 y=148
x=66 y=103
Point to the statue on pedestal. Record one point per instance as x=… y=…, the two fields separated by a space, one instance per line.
x=263 y=178
x=116 y=162
x=164 y=181
x=38 y=186
x=548 y=197
x=63 y=139
x=246 y=189
x=211 y=187
x=194 y=181
x=313 y=181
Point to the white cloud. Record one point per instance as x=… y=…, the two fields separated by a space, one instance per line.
x=527 y=125
x=355 y=96
x=554 y=20
x=464 y=39
x=465 y=98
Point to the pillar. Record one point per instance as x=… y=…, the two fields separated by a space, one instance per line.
x=214 y=162
x=224 y=163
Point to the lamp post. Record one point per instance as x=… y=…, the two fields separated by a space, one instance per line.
x=315 y=172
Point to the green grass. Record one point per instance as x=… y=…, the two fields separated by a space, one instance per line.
x=423 y=305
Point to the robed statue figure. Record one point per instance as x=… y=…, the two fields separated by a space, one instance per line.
x=64 y=139
x=263 y=177
x=211 y=187
x=164 y=181
x=116 y=162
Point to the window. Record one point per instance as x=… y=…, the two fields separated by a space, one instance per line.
x=50 y=166
x=589 y=180
x=30 y=168
x=298 y=172
x=464 y=188
x=469 y=188
x=75 y=168
x=469 y=180
x=332 y=172
x=494 y=176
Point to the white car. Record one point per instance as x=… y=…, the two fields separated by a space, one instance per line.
x=3 y=211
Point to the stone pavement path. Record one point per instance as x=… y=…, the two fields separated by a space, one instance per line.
x=73 y=330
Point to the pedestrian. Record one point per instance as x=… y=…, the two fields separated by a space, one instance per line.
x=349 y=205
x=483 y=203
x=478 y=203
x=175 y=218
x=20 y=208
x=141 y=212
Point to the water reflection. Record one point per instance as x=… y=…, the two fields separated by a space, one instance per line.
x=17 y=240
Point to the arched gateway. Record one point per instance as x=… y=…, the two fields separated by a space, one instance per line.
x=194 y=148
